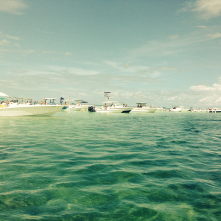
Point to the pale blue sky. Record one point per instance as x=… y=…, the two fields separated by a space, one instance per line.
x=164 y=52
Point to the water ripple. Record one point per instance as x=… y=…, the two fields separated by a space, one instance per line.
x=88 y=166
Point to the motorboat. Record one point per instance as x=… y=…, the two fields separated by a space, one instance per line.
x=14 y=107
x=110 y=106
x=180 y=109
x=176 y=109
x=158 y=108
x=199 y=110
x=80 y=105
x=141 y=107
x=214 y=110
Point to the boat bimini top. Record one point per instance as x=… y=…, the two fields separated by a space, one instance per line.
x=3 y=96
x=141 y=104
x=81 y=101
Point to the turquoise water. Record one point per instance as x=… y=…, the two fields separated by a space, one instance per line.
x=93 y=166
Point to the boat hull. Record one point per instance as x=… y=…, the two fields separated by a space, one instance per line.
x=214 y=111
x=145 y=110
x=175 y=110
x=30 y=110
x=79 y=108
x=185 y=110
x=114 y=110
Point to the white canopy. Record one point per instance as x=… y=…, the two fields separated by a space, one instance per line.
x=3 y=95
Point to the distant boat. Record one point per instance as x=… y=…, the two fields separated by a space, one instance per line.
x=110 y=106
x=14 y=108
x=199 y=110
x=175 y=109
x=81 y=105
x=214 y=110
x=141 y=107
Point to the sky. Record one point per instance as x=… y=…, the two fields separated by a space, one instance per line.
x=164 y=53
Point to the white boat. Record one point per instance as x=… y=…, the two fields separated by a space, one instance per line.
x=110 y=106
x=214 y=110
x=141 y=107
x=198 y=110
x=159 y=108
x=183 y=109
x=175 y=109
x=14 y=108
x=80 y=106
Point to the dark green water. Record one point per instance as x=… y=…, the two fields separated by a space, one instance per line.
x=93 y=166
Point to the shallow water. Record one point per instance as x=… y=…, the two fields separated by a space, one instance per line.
x=94 y=166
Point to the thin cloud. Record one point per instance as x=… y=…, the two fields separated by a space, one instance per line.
x=218 y=100
x=68 y=53
x=7 y=50
x=4 y=42
x=215 y=87
x=74 y=71
x=27 y=51
x=201 y=26
x=49 y=52
x=166 y=68
x=54 y=52
x=214 y=36
x=174 y=98
x=170 y=47
x=132 y=70
x=2 y=35
x=174 y=36
x=208 y=8
x=13 y=37
x=8 y=42
x=211 y=93
x=210 y=101
x=12 y=6
x=140 y=72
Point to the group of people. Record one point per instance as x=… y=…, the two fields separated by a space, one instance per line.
x=6 y=103
x=41 y=103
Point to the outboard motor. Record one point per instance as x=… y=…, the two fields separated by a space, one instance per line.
x=91 y=109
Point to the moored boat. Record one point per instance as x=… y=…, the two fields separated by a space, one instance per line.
x=214 y=110
x=176 y=109
x=14 y=108
x=81 y=105
x=110 y=106
x=141 y=107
